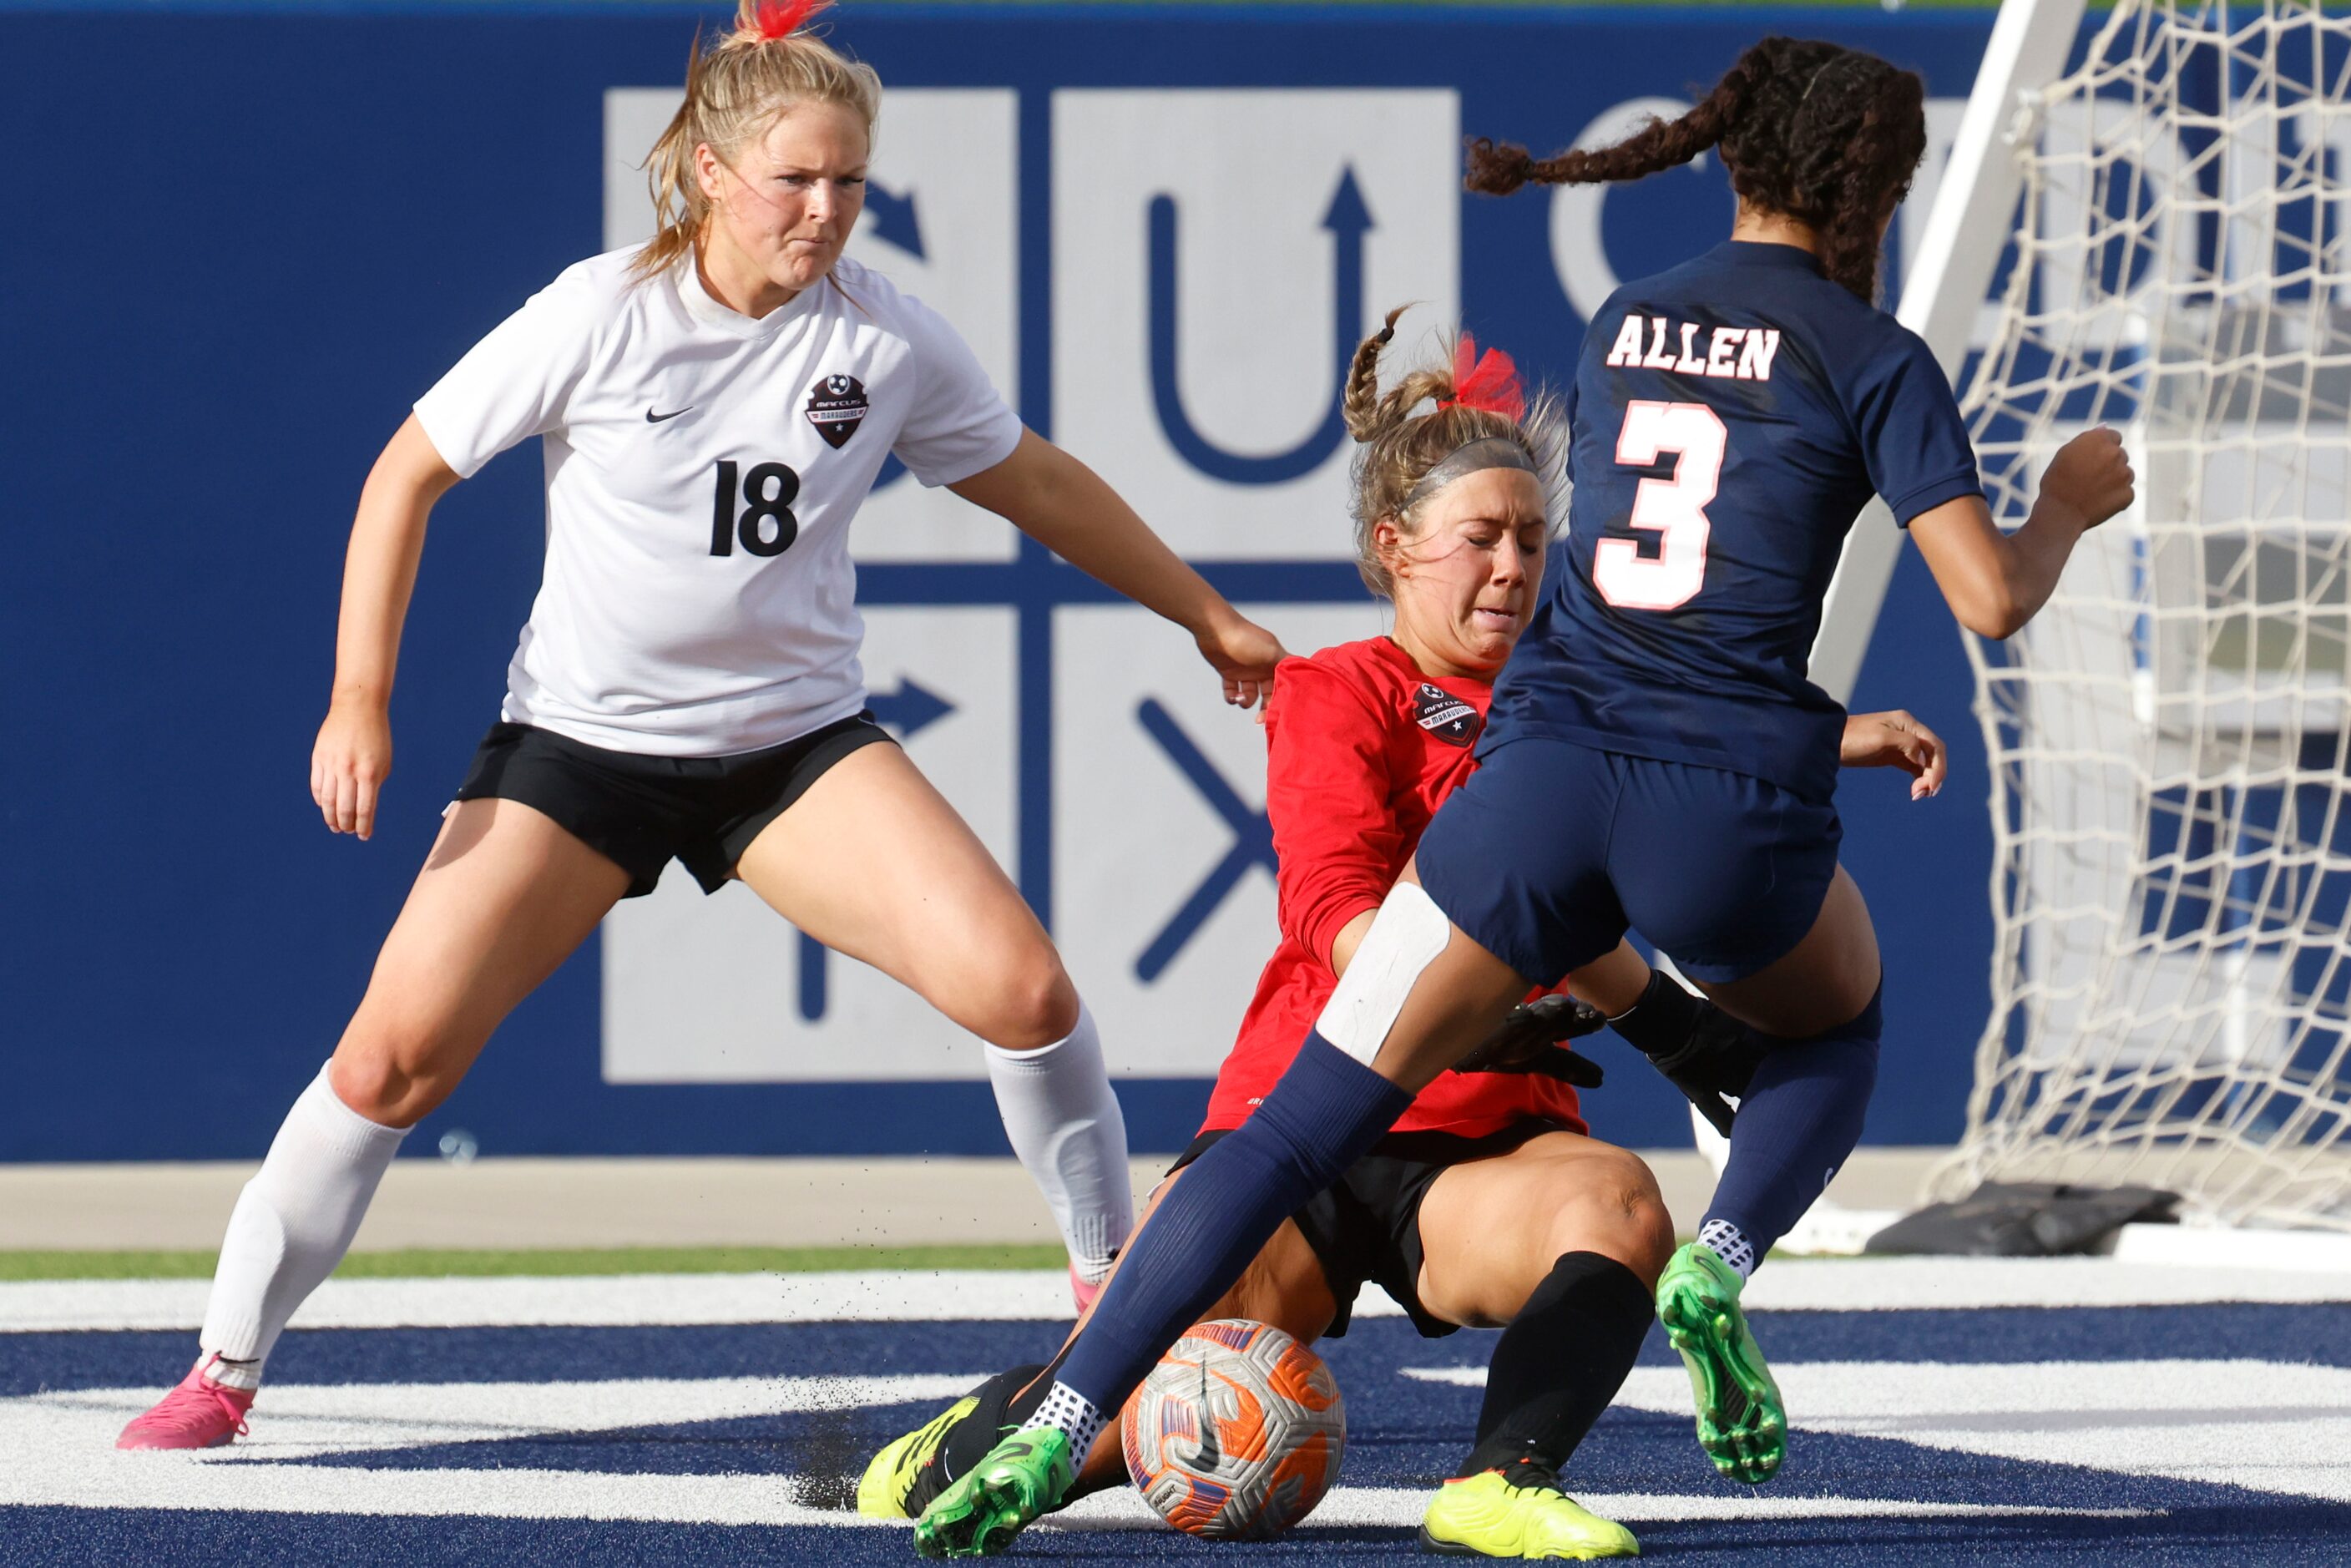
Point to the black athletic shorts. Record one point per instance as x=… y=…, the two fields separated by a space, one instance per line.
x=1367 y=1226
x=644 y=811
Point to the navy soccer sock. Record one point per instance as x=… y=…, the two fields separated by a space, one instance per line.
x=1799 y=1119
x=1560 y=1362
x=1328 y=1109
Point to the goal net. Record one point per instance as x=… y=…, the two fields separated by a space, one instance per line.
x=2172 y=965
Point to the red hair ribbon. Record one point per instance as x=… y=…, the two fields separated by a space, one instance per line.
x=782 y=18
x=1490 y=384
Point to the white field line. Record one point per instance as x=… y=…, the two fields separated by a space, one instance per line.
x=624 y=1300
x=1355 y=1507
x=1881 y=1284
x=2270 y=1426
x=61 y=1454
x=304 y=1420
x=1022 y=1295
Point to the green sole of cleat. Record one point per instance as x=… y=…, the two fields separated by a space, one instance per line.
x=1741 y=1423
x=1021 y=1479
x=980 y=1525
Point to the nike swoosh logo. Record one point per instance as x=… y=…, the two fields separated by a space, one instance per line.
x=1210 y=1455
x=652 y=418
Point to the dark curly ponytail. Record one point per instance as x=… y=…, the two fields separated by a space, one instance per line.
x=1817 y=132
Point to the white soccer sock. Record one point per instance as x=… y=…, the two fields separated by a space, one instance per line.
x=1065 y=1125
x=1730 y=1244
x=1073 y=1415
x=291 y=1225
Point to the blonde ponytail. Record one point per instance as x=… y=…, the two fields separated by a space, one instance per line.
x=734 y=91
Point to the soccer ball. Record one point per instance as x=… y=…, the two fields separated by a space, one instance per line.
x=1237 y=1433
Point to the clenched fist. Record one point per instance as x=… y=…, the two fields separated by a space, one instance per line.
x=2090 y=477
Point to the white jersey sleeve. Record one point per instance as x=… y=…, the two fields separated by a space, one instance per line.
x=960 y=425
x=514 y=384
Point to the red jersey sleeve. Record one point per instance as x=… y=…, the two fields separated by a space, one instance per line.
x=1327 y=791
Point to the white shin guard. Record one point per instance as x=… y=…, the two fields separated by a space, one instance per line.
x=1406 y=939
x=293 y=1222
x=1066 y=1126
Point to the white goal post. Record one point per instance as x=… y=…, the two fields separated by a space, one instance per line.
x=2171 y=879
x=1943 y=292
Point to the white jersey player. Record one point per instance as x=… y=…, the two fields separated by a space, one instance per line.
x=713 y=409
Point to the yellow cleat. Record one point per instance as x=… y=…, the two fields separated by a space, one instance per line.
x=887 y=1487
x=1489 y=1515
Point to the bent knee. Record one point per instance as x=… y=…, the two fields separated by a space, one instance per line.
x=1620 y=1214
x=1026 y=1002
x=394 y=1077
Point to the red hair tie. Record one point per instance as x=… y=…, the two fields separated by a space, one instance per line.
x=1489 y=383
x=773 y=20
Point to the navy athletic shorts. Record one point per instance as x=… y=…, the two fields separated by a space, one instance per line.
x=641 y=812
x=1551 y=850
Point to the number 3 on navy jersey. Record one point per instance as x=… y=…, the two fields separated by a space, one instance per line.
x=1675 y=508
x=767 y=526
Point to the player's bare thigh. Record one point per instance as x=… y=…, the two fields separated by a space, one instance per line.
x=1825 y=980
x=874 y=862
x=504 y=898
x=1491 y=1229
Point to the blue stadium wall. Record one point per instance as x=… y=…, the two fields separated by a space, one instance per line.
x=242 y=238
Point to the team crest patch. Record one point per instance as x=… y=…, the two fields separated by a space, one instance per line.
x=1445 y=715
x=837 y=405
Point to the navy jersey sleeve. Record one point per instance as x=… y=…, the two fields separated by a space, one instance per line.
x=1912 y=437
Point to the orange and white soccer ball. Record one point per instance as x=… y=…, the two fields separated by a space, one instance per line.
x=1237 y=1433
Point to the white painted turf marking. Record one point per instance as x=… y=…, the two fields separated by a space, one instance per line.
x=1024 y=1295
x=61 y=1448
x=652 y=1301
x=1401 y=1507
x=61 y=1453
x=2271 y=1426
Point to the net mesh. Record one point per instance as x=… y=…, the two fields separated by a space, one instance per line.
x=2171 y=981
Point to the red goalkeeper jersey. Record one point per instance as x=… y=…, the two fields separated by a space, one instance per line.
x=1361 y=748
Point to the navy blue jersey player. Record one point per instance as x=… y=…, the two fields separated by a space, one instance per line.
x=1732 y=418
x=1656 y=756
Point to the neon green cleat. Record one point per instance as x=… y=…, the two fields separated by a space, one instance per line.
x=887 y=1488
x=1519 y=1513
x=1741 y=1423
x=1023 y=1477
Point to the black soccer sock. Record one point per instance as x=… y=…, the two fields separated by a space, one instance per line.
x=1560 y=1362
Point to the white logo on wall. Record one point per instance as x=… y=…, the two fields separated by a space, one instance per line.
x=1215 y=256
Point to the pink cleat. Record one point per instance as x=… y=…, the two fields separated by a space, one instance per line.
x=198 y=1413
x=1085 y=1292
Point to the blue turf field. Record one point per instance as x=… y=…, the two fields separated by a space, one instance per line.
x=2004 y=1423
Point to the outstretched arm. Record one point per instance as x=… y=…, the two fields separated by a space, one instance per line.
x=353 y=752
x=1066 y=507
x=1995 y=582
x=1895 y=739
